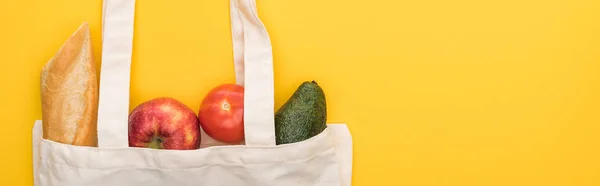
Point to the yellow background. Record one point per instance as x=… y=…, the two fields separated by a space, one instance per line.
x=436 y=93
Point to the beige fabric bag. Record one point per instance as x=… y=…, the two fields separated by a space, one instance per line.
x=324 y=160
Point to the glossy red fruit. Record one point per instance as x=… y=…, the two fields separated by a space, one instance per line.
x=221 y=113
x=164 y=123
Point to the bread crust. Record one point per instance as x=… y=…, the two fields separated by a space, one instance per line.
x=69 y=90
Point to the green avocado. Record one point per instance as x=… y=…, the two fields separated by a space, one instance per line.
x=302 y=116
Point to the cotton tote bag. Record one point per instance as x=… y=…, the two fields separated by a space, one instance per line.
x=324 y=160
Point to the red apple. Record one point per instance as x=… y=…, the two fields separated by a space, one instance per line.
x=164 y=123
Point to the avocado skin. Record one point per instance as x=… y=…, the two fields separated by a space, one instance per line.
x=302 y=116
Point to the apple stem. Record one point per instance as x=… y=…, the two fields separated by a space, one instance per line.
x=155 y=143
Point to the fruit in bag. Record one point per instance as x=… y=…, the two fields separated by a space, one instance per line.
x=164 y=123
x=302 y=116
x=221 y=113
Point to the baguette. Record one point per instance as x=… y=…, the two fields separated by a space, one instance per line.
x=69 y=91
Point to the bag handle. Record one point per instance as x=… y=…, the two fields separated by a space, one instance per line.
x=257 y=73
x=253 y=66
x=113 y=103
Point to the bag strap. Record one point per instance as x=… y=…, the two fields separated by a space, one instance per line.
x=253 y=66
x=117 y=42
x=258 y=81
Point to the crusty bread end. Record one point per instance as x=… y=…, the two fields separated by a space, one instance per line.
x=69 y=90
